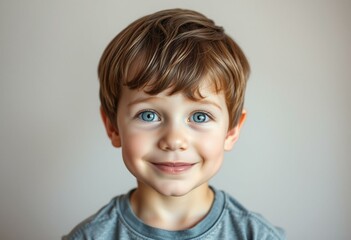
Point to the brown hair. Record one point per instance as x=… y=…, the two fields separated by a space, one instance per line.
x=173 y=49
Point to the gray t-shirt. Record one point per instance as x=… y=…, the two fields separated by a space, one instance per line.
x=227 y=219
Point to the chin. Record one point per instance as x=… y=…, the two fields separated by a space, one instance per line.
x=170 y=192
x=175 y=190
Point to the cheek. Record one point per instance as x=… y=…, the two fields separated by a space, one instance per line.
x=135 y=145
x=212 y=146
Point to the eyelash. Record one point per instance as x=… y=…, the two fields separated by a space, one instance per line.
x=139 y=115
x=207 y=114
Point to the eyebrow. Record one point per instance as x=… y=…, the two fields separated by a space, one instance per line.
x=148 y=98
x=209 y=102
x=141 y=99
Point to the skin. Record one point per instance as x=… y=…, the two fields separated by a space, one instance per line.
x=173 y=146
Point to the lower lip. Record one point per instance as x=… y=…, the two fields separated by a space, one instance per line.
x=173 y=169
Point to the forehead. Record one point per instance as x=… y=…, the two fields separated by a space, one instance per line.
x=206 y=95
x=189 y=77
x=203 y=88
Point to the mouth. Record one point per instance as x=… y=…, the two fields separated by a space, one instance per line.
x=173 y=167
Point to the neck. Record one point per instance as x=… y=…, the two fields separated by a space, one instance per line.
x=169 y=212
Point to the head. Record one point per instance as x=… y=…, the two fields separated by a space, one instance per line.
x=172 y=91
x=173 y=50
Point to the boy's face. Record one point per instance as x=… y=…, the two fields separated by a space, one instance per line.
x=171 y=143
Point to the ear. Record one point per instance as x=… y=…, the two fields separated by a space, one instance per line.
x=233 y=134
x=112 y=132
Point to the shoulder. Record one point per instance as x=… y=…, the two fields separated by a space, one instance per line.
x=249 y=224
x=101 y=223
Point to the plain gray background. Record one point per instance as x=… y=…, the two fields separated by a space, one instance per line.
x=291 y=163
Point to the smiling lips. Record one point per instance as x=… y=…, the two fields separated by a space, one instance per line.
x=173 y=167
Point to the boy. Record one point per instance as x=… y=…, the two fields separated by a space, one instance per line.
x=172 y=91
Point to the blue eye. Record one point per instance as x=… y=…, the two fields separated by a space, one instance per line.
x=199 y=117
x=148 y=116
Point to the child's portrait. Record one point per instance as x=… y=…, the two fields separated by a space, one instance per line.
x=175 y=120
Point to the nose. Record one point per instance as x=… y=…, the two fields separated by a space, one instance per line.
x=173 y=138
